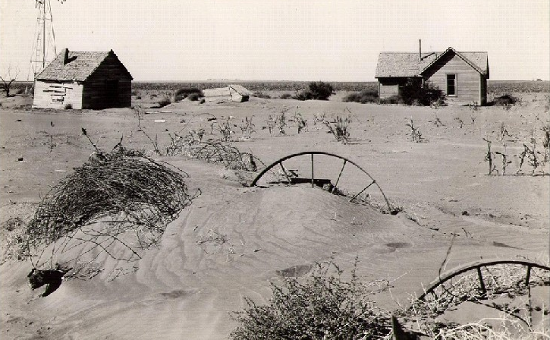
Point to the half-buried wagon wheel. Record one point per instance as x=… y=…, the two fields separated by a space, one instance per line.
x=492 y=283
x=331 y=172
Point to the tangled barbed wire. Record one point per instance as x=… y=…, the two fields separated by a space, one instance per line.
x=212 y=151
x=123 y=190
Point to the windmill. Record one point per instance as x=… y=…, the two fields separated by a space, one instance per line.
x=44 y=43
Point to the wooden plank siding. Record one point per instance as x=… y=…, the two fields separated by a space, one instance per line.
x=97 y=93
x=468 y=81
x=387 y=91
x=461 y=76
x=389 y=87
x=57 y=95
x=217 y=95
x=483 y=89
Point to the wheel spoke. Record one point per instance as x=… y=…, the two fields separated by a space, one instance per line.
x=360 y=192
x=340 y=174
x=312 y=174
x=284 y=172
x=481 y=283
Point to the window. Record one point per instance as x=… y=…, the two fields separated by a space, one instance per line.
x=451 y=84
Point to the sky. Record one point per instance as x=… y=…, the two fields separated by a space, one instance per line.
x=175 y=40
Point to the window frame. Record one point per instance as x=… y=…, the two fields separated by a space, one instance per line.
x=454 y=85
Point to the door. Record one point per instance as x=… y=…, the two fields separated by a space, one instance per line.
x=111 y=93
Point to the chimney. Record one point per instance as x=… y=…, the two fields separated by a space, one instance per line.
x=65 y=55
x=419 y=49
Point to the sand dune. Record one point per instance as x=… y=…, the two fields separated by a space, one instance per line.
x=227 y=245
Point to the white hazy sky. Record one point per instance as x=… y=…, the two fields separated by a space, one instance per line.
x=282 y=39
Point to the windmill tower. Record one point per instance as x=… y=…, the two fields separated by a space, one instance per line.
x=44 y=44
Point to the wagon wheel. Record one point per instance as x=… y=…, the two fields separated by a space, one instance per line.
x=318 y=168
x=481 y=281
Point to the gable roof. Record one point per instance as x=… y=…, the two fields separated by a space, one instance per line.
x=80 y=65
x=400 y=64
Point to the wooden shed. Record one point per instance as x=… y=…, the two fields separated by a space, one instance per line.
x=234 y=93
x=462 y=76
x=83 y=80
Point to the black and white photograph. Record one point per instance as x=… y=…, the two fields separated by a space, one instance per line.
x=275 y=169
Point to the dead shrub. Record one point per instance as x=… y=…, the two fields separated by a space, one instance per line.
x=321 y=306
x=260 y=94
x=194 y=97
x=504 y=100
x=192 y=93
x=390 y=100
x=363 y=97
x=163 y=102
x=316 y=90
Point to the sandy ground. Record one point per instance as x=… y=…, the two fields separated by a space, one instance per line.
x=186 y=286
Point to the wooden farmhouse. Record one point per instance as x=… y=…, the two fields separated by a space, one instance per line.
x=234 y=93
x=83 y=80
x=462 y=76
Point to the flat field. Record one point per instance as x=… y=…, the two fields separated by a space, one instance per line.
x=234 y=240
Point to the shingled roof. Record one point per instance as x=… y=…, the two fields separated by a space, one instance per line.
x=400 y=64
x=79 y=66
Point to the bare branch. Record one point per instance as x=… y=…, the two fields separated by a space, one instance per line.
x=7 y=80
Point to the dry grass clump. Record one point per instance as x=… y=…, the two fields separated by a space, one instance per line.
x=532 y=155
x=363 y=97
x=340 y=128
x=226 y=129
x=163 y=102
x=247 y=127
x=123 y=183
x=391 y=100
x=278 y=121
x=260 y=94
x=192 y=93
x=13 y=234
x=320 y=306
x=415 y=134
x=504 y=100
